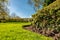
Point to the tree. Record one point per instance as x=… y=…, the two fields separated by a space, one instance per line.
x=48 y=17
x=3 y=9
x=13 y=15
x=47 y=2
x=38 y=3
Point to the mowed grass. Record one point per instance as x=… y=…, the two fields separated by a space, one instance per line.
x=14 y=31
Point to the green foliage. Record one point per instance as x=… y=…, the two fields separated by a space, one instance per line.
x=48 y=17
x=47 y=2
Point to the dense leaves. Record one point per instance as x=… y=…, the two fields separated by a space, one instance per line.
x=48 y=17
x=47 y=2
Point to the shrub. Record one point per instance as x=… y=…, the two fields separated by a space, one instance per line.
x=48 y=17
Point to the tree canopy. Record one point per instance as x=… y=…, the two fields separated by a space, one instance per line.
x=38 y=3
x=3 y=9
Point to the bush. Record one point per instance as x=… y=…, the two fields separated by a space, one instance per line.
x=48 y=17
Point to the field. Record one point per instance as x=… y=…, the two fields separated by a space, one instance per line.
x=14 y=31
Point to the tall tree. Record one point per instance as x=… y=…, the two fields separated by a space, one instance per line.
x=38 y=3
x=3 y=9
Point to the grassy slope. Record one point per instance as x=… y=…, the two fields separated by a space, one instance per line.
x=14 y=31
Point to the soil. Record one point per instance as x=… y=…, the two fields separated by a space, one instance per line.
x=54 y=34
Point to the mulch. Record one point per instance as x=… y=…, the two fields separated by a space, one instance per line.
x=54 y=34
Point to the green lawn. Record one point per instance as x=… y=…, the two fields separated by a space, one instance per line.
x=14 y=31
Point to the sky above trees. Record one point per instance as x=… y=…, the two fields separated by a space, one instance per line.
x=21 y=8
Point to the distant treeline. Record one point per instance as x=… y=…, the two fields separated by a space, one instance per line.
x=6 y=17
x=16 y=20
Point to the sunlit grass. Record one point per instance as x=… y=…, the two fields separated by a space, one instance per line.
x=14 y=31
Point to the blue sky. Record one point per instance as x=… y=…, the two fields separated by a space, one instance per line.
x=21 y=8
